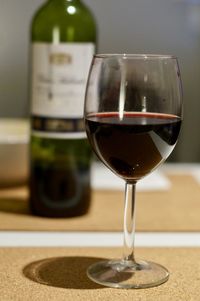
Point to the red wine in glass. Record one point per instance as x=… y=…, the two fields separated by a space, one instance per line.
x=134 y=144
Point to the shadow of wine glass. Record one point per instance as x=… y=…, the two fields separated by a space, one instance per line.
x=62 y=272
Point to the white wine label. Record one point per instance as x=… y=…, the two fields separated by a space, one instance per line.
x=56 y=135
x=59 y=76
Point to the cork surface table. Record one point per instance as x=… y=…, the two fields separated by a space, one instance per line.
x=176 y=208
x=60 y=274
x=46 y=259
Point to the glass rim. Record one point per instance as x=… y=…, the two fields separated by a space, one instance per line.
x=136 y=56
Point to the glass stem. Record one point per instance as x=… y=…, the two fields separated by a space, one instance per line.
x=129 y=222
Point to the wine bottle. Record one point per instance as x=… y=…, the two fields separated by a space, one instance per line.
x=63 y=37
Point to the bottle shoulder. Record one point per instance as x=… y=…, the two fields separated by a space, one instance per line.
x=78 y=20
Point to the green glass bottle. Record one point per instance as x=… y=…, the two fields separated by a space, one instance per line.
x=63 y=35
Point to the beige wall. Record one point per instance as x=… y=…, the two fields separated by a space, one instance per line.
x=134 y=26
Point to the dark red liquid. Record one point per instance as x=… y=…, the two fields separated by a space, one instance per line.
x=132 y=146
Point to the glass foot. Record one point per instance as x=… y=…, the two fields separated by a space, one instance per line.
x=126 y=274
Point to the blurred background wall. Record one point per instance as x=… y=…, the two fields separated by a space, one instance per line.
x=127 y=26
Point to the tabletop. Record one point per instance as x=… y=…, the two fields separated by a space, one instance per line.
x=20 y=229
x=47 y=259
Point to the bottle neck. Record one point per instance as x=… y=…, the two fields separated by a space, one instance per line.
x=68 y=2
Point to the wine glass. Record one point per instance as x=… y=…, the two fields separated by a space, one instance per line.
x=133 y=114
